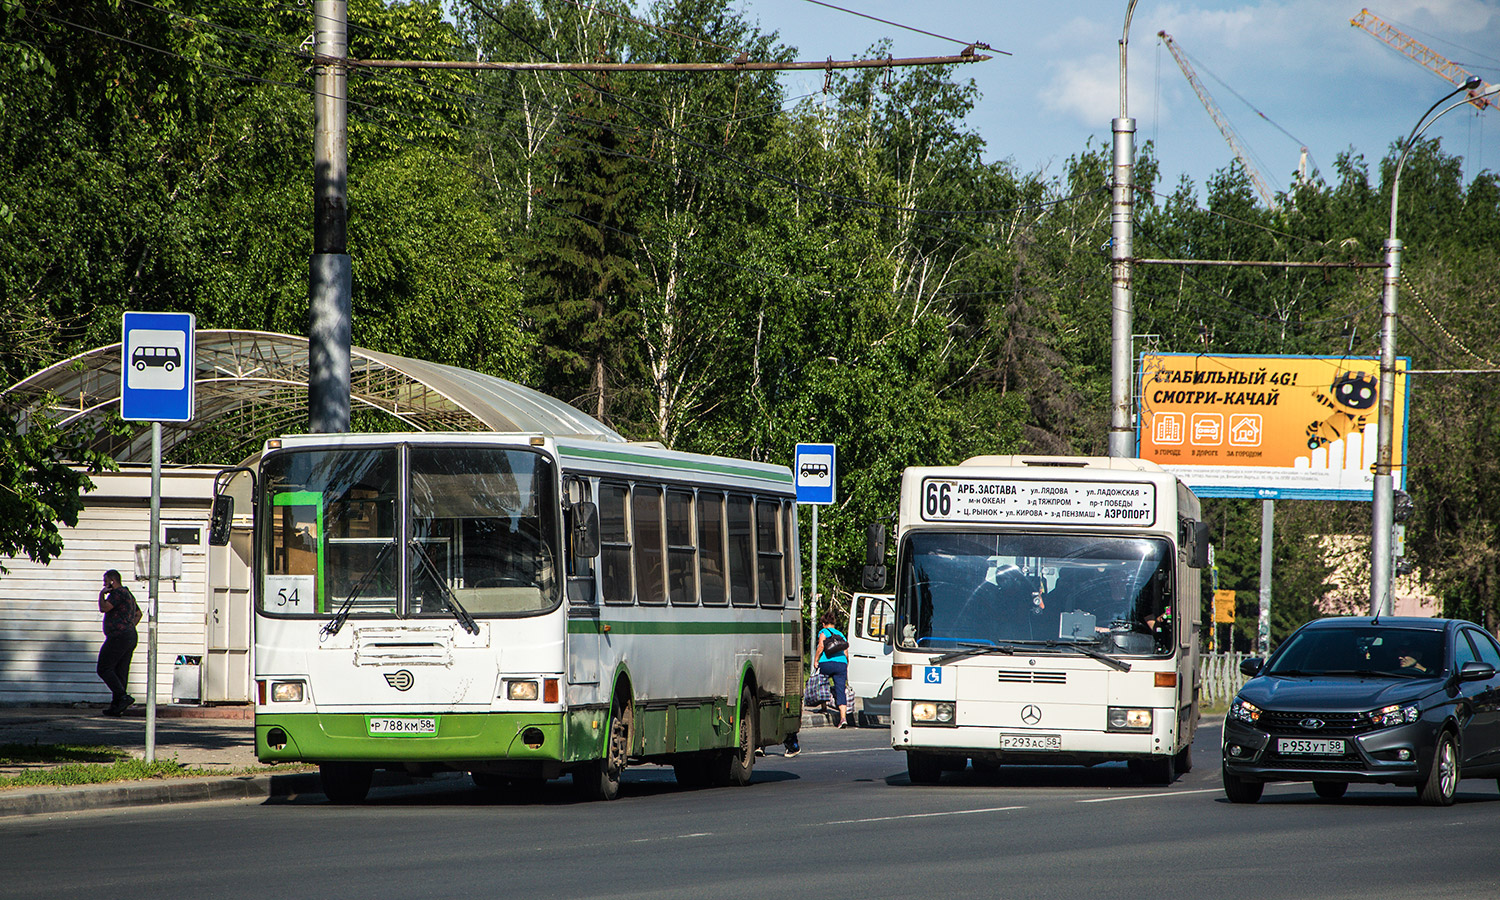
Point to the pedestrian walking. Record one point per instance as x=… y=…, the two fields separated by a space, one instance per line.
x=833 y=661
x=121 y=614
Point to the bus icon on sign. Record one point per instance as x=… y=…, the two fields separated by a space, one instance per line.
x=167 y=358
x=814 y=470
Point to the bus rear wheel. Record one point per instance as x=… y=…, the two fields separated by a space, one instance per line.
x=345 y=782
x=734 y=767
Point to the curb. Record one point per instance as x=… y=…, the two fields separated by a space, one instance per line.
x=24 y=802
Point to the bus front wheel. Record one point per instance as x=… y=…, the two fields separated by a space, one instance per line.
x=923 y=768
x=344 y=782
x=600 y=779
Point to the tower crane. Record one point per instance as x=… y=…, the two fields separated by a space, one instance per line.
x=1418 y=52
x=1220 y=120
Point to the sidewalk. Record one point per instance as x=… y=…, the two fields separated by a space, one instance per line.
x=216 y=738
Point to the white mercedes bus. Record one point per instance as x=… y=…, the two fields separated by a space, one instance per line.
x=1046 y=611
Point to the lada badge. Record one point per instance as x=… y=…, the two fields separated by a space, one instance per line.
x=1311 y=724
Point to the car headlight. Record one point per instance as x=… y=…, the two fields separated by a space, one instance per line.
x=1396 y=714
x=934 y=712
x=1244 y=711
x=1121 y=718
x=286 y=692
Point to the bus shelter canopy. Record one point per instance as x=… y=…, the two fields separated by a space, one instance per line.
x=251 y=385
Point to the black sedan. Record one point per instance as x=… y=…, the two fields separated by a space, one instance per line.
x=1359 y=700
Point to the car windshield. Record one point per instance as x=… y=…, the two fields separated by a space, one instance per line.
x=1364 y=650
x=958 y=590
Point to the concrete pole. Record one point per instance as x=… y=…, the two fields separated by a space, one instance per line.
x=329 y=275
x=1122 y=199
x=1383 y=502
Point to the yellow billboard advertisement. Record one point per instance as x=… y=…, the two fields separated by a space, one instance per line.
x=1293 y=427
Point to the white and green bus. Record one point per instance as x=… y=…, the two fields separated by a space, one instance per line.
x=1046 y=612
x=522 y=607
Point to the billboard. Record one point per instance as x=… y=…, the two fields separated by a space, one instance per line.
x=1268 y=427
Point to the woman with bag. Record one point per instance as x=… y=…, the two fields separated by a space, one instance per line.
x=833 y=662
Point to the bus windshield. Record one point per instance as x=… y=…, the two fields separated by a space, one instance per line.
x=478 y=535
x=966 y=590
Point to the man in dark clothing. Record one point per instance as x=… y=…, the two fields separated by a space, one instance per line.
x=120 y=616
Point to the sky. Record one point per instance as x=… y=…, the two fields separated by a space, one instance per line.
x=1306 y=76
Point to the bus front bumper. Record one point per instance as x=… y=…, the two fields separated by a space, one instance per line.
x=419 y=738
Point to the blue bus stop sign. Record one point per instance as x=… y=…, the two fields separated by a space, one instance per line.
x=156 y=375
x=814 y=471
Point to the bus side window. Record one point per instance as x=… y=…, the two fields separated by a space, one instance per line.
x=682 y=582
x=790 y=548
x=768 y=551
x=614 y=544
x=647 y=541
x=711 y=548
x=580 y=568
x=741 y=552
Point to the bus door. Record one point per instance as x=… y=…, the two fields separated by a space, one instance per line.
x=294 y=572
x=870 y=616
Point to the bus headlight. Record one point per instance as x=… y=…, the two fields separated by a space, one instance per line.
x=934 y=712
x=1125 y=719
x=520 y=690
x=286 y=692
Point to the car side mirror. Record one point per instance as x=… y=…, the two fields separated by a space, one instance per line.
x=1476 y=671
x=1252 y=666
x=585 y=529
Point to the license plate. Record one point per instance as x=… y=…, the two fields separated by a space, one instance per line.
x=1305 y=747
x=404 y=725
x=1030 y=742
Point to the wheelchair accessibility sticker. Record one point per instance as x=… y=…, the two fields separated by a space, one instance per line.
x=932 y=674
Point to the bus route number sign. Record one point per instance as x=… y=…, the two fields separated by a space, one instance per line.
x=1013 y=500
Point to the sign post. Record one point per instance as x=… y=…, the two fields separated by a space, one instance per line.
x=813 y=468
x=156 y=386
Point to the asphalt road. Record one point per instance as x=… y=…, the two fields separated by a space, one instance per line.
x=841 y=820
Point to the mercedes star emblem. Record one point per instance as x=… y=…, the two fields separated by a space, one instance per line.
x=1031 y=714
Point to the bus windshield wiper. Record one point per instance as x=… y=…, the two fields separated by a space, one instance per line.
x=968 y=649
x=1087 y=649
x=459 y=613
x=333 y=625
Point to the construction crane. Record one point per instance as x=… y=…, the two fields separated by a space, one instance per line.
x=1221 y=121
x=1420 y=53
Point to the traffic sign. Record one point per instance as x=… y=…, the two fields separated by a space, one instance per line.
x=814 y=470
x=156 y=375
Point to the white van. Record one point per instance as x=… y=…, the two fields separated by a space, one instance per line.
x=870 y=656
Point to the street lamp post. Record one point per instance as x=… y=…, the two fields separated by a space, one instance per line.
x=1382 y=506
x=1122 y=198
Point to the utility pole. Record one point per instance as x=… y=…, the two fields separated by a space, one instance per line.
x=329 y=277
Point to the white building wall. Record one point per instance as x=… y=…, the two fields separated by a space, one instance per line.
x=50 y=625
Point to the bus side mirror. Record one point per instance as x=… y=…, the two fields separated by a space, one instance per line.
x=873 y=577
x=220 y=522
x=585 y=529
x=1198 y=549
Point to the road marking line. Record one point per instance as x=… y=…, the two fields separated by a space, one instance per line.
x=836 y=752
x=1148 y=796
x=956 y=812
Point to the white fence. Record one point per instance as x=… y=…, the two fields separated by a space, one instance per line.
x=1221 y=678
